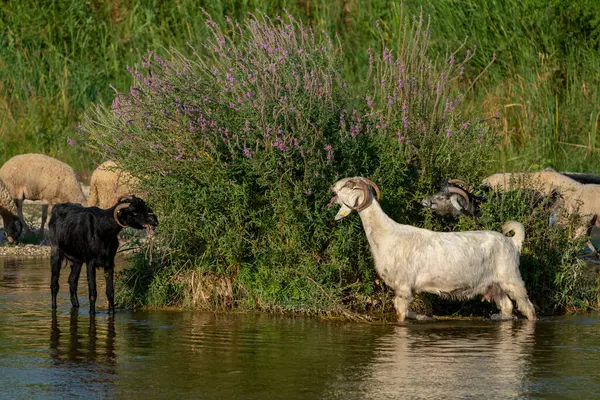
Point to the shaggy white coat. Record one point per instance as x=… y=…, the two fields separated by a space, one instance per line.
x=108 y=184
x=40 y=177
x=458 y=264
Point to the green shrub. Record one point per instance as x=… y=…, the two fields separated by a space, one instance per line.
x=241 y=142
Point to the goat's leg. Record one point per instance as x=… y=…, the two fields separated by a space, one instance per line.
x=517 y=292
x=110 y=288
x=56 y=258
x=44 y=217
x=401 y=303
x=73 y=280
x=91 y=278
x=505 y=306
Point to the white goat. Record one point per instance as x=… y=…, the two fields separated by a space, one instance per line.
x=455 y=264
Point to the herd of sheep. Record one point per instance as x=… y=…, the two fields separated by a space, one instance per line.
x=410 y=260
x=40 y=177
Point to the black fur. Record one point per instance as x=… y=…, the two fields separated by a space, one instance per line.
x=583 y=177
x=12 y=225
x=88 y=235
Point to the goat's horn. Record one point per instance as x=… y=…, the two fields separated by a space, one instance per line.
x=363 y=182
x=124 y=198
x=460 y=183
x=461 y=193
x=118 y=208
x=374 y=187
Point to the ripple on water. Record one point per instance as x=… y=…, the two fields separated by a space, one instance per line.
x=167 y=354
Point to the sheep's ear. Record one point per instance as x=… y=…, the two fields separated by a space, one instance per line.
x=457 y=202
x=344 y=212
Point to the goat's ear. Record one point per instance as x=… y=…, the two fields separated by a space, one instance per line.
x=457 y=202
x=358 y=198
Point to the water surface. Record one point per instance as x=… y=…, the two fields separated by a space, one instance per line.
x=184 y=354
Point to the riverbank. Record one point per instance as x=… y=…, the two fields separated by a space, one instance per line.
x=30 y=247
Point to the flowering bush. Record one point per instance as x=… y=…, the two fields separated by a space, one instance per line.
x=239 y=142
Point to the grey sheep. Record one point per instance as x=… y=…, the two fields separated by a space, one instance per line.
x=8 y=212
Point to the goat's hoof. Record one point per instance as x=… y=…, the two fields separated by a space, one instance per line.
x=503 y=317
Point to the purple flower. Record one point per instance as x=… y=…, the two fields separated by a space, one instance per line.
x=400 y=137
x=449 y=132
x=70 y=141
x=405 y=121
x=387 y=56
x=370 y=102
x=466 y=125
x=404 y=107
x=331 y=201
x=247 y=152
x=330 y=152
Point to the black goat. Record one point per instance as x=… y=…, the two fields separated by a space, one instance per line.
x=454 y=198
x=88 y=235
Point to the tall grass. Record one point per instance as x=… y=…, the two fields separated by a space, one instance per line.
x=58 y=57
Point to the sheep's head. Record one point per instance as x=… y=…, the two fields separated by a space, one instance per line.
x=131 y=211
x=353 y=194
x=12 y=227
x=451 y=200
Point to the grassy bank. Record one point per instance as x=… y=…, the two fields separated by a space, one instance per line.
x=240 y=145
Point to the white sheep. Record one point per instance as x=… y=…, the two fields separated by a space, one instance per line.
x=8 y=212
x=544 y=181
x=108 y=184
x=39 y=177
x=577 y=198
x=456 y=264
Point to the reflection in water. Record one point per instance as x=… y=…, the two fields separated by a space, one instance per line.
x=170 y=354
x=74 y=349
x=479 y=360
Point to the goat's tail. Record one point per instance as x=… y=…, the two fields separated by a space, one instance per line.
x=519 y=231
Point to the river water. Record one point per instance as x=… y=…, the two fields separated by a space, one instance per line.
x=184 y=354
